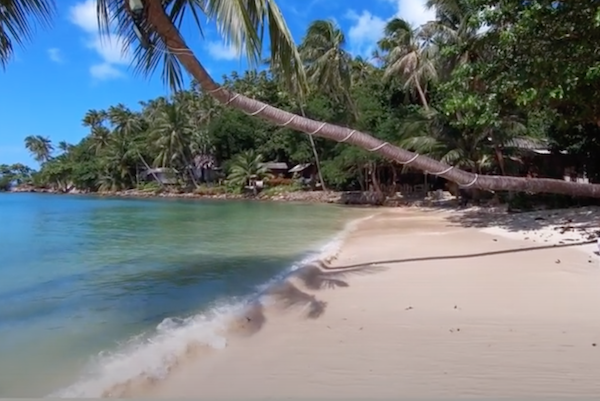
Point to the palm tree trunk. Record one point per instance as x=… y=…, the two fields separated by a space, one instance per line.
x=500 y=159
x=173 y=40
x=374 y=178
x=149 y=169
x=316 y=154
x=422 y=95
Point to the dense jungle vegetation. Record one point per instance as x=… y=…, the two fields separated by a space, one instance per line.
x=462 y=89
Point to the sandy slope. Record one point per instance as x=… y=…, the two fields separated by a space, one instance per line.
x=434 y=322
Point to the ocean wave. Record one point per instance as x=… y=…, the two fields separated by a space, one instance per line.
x=151 y=356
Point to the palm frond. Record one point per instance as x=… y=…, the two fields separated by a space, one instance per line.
x=241 y=24
x=17 y=22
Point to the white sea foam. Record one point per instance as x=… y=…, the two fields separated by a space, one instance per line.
x=151 y=356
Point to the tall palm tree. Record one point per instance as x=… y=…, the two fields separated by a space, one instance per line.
x=120 y=143
x=329 y=70
x=453 y=26
x=360 y=69
x=94 y=118
x=100 y=139
x=173 y=135
x=327 y=63
x=242 y=22
x=64 y=146
x=408 y=57
x=40 y=147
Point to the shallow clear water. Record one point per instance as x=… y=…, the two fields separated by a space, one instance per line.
x=82 y=275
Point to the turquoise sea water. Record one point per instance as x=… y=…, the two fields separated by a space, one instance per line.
x=94 y=290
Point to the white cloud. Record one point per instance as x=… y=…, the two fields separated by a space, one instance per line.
x=365 y=32
x=413 y=11
x=220 y=51
x=55 y=55
x=105 y=71
x=84 y=16
x=111 y=49
x=367 y=28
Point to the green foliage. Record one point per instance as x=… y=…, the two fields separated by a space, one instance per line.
x=448 y=89
x=273 y=191
x=16 y=174
x=245 y=167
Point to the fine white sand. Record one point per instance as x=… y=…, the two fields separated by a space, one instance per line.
x=453 y=308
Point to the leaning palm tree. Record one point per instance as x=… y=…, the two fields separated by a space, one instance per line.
x=157 y=41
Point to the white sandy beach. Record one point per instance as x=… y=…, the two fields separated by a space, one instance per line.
x=460 y=306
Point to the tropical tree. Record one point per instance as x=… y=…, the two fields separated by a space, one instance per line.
x=456 y=30
x=241 y=22
x=408 y=57
x=328 y=64
x=22 y=173
x=245 y=167
x=40 y=147
x=64 y=146
x=173 y=135
x=18 y=18
x=94 y=118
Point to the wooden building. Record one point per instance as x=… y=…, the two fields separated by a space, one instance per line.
x=163 y=175
x=278 y=169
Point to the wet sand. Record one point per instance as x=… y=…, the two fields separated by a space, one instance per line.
x=446 y=311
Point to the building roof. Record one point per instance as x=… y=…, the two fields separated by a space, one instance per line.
x=300 y=167
x=276 y=165
x=159 y=170
x=526 y=143
x=205 y=161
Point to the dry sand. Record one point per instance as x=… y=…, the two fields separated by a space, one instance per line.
x=450 y=312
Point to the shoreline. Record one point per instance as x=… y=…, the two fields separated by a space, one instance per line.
x=323 y=197
x=221 y=321
x=350 y=198
x=432 y=320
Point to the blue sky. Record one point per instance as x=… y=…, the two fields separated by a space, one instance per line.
x=69 y=69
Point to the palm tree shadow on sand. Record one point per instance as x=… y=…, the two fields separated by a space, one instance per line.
x=462 y=256
x=288 y=296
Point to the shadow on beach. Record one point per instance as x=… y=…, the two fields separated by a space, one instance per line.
x=288 y=295
x=461 y=256
x=584 y=220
